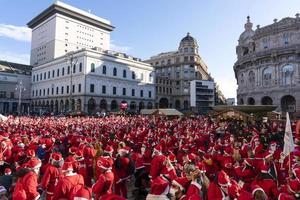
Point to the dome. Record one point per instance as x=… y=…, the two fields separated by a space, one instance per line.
x=188 y=40
x=247 y=35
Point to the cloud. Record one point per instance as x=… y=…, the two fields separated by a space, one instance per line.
x=20 y=33
x=119 y=48
x=21 y=58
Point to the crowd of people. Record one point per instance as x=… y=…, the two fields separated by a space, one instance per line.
x=141 y=157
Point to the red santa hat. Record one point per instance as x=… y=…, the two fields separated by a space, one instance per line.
x=181 y=182
x=108 y=149
x=223 y=179
x=84 y=193
x=5 y=135
x=56 y=156
x=7 y=171
x=268 y=154
x=172 y=157
x=34 y=163
x=256 y=188
x=158 y=148
x=79 y=155
x=201 y=167
x=104 y=163
x=159 y=186
x=67 y=167
x=73 y=150
x=191 y=157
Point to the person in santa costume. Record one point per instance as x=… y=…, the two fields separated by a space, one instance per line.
x=27 y=183
x=160 y=188
x=105 y=181
x=67 y=187
x=52 y=175
x=124 y=169
x=107 y=154
x=179 y=188
x=218 y=189
x=157 y=163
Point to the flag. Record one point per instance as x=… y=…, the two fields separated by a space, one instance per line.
x=288 y=137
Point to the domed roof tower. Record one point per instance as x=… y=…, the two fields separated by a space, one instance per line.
x=188 y=44
x=246 y=44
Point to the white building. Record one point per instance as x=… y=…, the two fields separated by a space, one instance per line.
x=84 y=76
x=202 y=95
x=62 y=28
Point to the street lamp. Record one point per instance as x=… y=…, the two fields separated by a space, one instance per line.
x=20 y=88
x=70 y=58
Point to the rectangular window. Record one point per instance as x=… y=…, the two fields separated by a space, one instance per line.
x=45 y=76
x=103 y=89
x=142 y=93
x=68 y=89
x=56 y=90
x=186 y=58
x=53 y=72
x=62 y=89
x=33 y=93
x=79 y=87
x=37 y=77
x=133 y=92
x=40 y=92
x=124 y=91
x=48 y=74
x=52 y=91
x=92 y=88
x=68 y=69
x=73 y=88
x=12 y=95
x=33 y=78
x=74 y=68
x=41 y=76
x=2 y=94
x=57 y=73
x=48 y=91
x=80 y=67
x=114 y=90
x=36 y=93
x=63 y=71
x=150 y=94
x=44 y=92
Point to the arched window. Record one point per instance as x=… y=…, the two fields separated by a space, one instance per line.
x=251 y=78
x=104 y=69
x=92 y=67
x=267 y=77
x=124 y=73
x=287 y=74
x=115 y=72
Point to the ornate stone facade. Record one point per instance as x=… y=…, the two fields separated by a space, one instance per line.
x=268 y=65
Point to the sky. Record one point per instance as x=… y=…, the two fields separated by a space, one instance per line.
x=148 y=27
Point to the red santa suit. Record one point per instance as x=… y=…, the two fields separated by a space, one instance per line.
x=106 y=179
x=26 y=186
x=157 y=163
x=67 y=187
x=51 y=176
x=160 y=187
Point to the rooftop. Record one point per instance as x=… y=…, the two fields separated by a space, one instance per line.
x=15 y=68
x=72 y=12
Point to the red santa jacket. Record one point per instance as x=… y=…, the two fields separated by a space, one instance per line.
x=104 y=184
x=68 y=186
x=214 y=192
x=269 y=186
x=26 y=187
x=156 y=166
x=50 y=178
